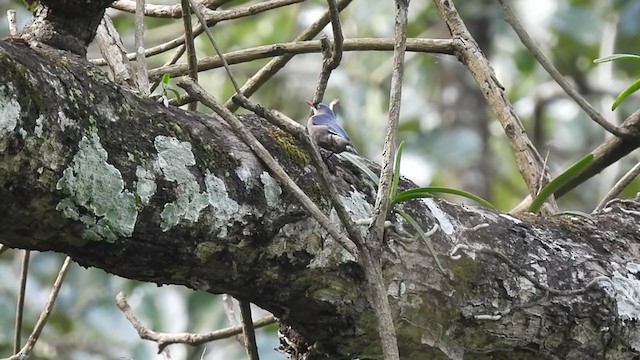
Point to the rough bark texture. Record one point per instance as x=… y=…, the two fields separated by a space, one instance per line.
x=122 y=183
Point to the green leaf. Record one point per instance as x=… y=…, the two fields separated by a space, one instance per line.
x=558 y=181
x=423 y=236
x=428 y=191
x=616 y=57
x=175 y=93
x=165 y=78
x=396 y=170
x=625 y=94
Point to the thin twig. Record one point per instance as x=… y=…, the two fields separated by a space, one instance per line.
x=619 y=186
x=333 y=55
x=192 y=60
x=164 y=339
x=267 y=71
x=263 y=154
x=529 y=161
x=440 y=46
x=141 y=74
x=215 y=46
x=24 y=269
x=13 y=24
x=511 y=18
x=371 y=257
x=44 y=316
x=248 y=330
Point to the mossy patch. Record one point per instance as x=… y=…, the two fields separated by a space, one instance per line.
x=290 y=146
x=465 y=271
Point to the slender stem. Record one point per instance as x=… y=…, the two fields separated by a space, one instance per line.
x=192 y=60
x=248 y=331
x=420 y=45
x=619 y=186
x=333 y=55
x=372 y=255
x=24 y=269
x=141 y=74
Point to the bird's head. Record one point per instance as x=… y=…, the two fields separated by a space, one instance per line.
x=322 y=108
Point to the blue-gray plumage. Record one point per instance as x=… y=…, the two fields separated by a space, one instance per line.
x=325 y=131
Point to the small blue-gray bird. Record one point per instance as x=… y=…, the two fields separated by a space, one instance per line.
x=325 y=131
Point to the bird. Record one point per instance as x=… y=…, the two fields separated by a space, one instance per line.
x=325 y=131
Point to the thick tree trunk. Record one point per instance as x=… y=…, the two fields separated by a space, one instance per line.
x=122 y=183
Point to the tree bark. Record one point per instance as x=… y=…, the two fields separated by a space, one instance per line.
x=120 y=182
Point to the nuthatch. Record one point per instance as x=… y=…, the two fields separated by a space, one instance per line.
x=325 y=130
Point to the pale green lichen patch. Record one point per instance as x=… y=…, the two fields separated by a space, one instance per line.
x=243 y=172
x=38 y=129
x=174 y=159
x=626 y=290
x=146 y=185
x=272 y=190
x=95 y=186
x=225 y=209
x=9 y=109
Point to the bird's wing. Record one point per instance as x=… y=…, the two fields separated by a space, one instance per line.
x=331 y=123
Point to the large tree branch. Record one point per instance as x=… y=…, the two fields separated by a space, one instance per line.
x=122 y=183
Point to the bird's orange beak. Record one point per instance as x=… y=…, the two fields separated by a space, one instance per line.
x=310 y=104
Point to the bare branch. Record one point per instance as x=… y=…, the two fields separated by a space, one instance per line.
x=192 y=60
x=511 y=18
x=248 y=330
x=141 y=74
x=378 y=297
x=24 y=269
x=333 y=55
x=442 y=46
x=164 y=339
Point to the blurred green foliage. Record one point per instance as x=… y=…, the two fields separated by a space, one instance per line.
x=452 y=139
